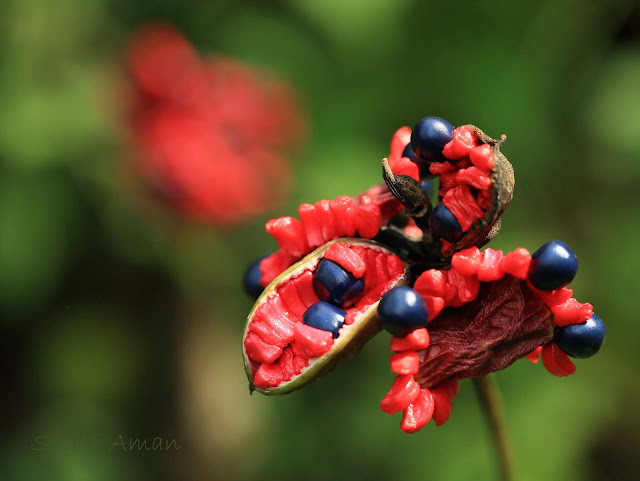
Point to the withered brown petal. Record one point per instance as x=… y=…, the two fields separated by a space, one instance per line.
x=504 y=323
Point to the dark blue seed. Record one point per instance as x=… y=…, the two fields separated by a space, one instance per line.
x=429 y=137
x=251 y=279
x=427 y=186
x=408 y=153
x=581 y=340
x=553 y=266
x=335 y=285
x=402 y=309
x=423 y=167
x=443 y=224
x=325 y=316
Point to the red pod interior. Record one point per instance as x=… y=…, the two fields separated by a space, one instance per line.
x=465 y=181
x=279 y=346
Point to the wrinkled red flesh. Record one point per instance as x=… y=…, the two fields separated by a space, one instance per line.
x=279 y=346
x=465 y=181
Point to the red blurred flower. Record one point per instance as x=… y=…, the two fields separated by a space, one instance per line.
x=209 y=134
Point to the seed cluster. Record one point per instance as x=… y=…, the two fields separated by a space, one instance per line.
x=454 y=311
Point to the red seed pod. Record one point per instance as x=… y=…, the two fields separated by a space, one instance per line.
x=483 y=313
x=281 y=353
x=486 y=170
x=505 y=322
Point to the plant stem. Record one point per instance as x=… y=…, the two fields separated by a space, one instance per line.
x=491 y=400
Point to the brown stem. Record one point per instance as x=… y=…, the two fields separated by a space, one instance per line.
x=491 y=400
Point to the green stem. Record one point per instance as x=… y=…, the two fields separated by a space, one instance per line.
x=491 y=400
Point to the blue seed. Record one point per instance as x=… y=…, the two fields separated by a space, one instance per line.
x=427 y=186
x=423 y=167
x=443 y=224
x=335 y=285
x=325 y=316
x=251 y=278
x=554 y=265
x=581 y=340
x=402 y=309
x=429 y=137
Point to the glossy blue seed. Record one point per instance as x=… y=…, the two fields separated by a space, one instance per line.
x=402 y=309
x=423 y=167
x=251 y=278
x=581 y=340
x=553 y=266
x=443 y=224
x=408 y=153
x=335 y=285
x=429 y=137
x=325 y=316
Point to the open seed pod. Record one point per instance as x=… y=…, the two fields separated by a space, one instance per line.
x=500 y=194
x=282 y=351
x=476 y=186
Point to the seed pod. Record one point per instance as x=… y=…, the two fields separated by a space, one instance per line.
x=281 y=353
x=500 y=194
x=486 y=169
x=479 y=311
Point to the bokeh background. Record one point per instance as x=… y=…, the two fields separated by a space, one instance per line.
x=121 y=317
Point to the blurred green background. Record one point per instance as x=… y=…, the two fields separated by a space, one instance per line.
x=117 y=323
